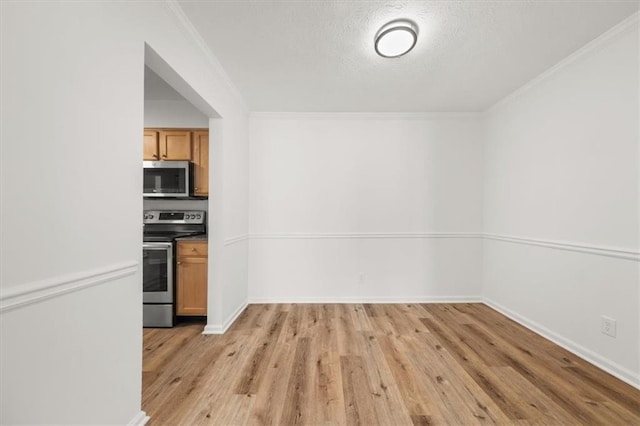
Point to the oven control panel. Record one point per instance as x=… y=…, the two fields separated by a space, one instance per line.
x=174 y=216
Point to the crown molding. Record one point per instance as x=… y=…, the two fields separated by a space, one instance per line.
x=188 y=27
x=616 y=31
x=190 y=30
x=363 y=115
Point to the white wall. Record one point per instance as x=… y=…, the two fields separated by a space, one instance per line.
x=321 y=184
x=173 y=113
x=236 y=213
x=561 y=165
x=175 y=204
x=228 y=222
x=70 y=300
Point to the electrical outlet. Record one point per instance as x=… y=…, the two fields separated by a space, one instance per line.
x=608 y=326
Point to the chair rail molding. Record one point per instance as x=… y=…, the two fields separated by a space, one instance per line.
x=575 y=246
x=18 y=296
x=365 y=235
x=233 y=240
x=579 y=247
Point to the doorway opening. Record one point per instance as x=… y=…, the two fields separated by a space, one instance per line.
x=181 y=131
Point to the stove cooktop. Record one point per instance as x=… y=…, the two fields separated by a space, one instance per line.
x=161 y=237
x=167 y=225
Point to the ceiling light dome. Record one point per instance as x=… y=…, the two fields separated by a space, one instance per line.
x=396 y=38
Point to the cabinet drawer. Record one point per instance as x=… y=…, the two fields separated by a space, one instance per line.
x=193 y=248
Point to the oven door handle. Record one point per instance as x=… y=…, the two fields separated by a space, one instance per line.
x=157 y=246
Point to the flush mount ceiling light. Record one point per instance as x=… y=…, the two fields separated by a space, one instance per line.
x=396 y=38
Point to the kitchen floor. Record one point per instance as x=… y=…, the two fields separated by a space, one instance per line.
x=391 y=364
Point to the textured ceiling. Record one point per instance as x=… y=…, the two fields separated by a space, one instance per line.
x=319 y=56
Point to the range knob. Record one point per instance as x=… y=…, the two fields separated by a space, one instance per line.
x=198 y=217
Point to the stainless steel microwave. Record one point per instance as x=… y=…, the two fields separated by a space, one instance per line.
x=167 y=179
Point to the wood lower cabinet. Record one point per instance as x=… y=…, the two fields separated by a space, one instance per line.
x=201 y=163
x=191 y=278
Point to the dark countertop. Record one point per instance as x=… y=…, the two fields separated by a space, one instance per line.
x=203 y=237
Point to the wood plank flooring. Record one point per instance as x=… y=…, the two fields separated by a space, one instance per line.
x=397 y=364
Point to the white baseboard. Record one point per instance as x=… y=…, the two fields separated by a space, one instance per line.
x=420 y=299
x=221 y=329
x=212 y=329
x=139 y=419
x=616 y=370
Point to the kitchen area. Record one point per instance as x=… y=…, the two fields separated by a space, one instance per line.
x=175 y=194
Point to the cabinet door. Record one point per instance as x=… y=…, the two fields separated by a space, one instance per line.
x=150 y=150
x=201 y=162
x=191 y=286
x=175 y=145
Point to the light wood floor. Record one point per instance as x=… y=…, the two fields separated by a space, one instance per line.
x=421 y=364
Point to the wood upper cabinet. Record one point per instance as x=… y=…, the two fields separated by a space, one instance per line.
x=191 y=278
x=201 y=162
x=175 y=145
x=150 y=150
x=181 y=144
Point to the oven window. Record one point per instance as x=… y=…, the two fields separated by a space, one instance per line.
x=165 y=180
x=154 y=271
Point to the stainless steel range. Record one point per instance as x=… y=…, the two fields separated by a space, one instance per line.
x=161 y=228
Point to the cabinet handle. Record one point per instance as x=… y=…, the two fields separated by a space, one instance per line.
x=164 y=155
x=193 y=249
x=179 y=263
x=196 y=188
x=155 y=155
